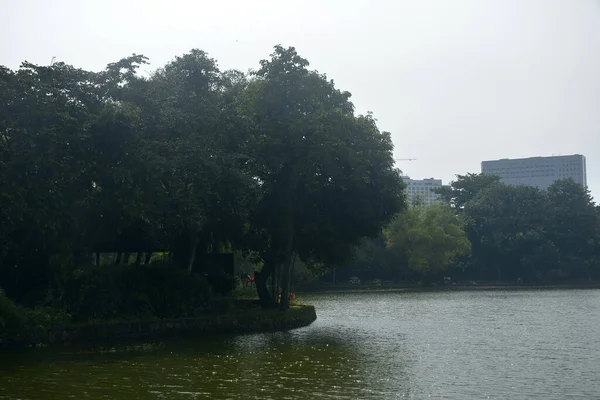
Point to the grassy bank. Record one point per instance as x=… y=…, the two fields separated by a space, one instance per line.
x=241 y=319
x=98 y=310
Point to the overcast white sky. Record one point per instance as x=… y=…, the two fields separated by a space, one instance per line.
x=455 y=81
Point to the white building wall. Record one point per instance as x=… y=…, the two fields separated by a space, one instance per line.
x=540 y=172
x=422 y=188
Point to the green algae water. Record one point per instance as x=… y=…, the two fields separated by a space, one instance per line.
x=386 y=345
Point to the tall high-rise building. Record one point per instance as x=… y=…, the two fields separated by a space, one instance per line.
x=422 y=189
x=540 y=172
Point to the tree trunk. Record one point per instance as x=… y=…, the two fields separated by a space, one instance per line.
x=277 y=283
x=260 y=280
x=276 y=289
x=118 y=259
x=274 y=284
x=211 y=243
x=287 y=264
x=193 y=247
x=138 y=258
x=289 y=284
x=97 y=259
x=148 y=257
x=126 y=258
x=289 y=246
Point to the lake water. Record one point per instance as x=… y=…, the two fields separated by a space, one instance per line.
x=444 y=345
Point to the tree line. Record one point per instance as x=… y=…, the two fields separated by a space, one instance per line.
x=273 y=165
x=488 y=231
x=189 y=160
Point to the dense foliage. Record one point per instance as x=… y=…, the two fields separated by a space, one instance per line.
x=160 y=290
x=535 y=235
x=427 y=239
x=274 y=166
x=516 y=234
x=17 y=321
x=189 y=161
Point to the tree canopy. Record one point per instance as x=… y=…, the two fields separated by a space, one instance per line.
x=427 y=239
x=516 y=233
x=190 y=160
x=465 y=188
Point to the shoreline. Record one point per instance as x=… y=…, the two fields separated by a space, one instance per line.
x=242 y=321
x=442 y=288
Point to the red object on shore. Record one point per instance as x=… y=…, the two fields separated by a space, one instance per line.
x=248 y=279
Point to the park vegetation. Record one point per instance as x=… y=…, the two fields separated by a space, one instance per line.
x=116 y=186
x=486 y=231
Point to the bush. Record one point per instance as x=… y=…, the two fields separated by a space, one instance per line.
x=46 y=317
x=221 y=282
x=245 y=293
x=17 y=321
x=136 y=291
x=12 y=316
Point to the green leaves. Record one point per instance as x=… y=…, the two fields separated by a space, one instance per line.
x=427 y=238
x=465 y=188
x=339 y=166
x=525 y=232
x=275 y=162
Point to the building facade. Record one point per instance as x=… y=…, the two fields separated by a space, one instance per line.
x=540 y=172
x=422 y=189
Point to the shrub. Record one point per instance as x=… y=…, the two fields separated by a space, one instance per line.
x=221 y=282
x=245 y=293
x=17 y=322
x=12 y=316
x=136 y=291
x=46 y=317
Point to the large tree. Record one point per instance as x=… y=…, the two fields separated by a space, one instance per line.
x=326 y=175
x=50 y=117
x=574 y=227
x=524 y=232
x=506 y=227
x=193 y=135
x=189 y=159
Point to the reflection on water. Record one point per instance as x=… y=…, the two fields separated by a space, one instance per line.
x=271 y=366
x=459 y=345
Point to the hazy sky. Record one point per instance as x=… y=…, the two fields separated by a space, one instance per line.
x=455 y=81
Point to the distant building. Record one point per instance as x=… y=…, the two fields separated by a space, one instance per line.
x=540 y=172
x=422 y=189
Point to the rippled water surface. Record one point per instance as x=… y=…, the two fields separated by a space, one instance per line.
x=445 y=345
